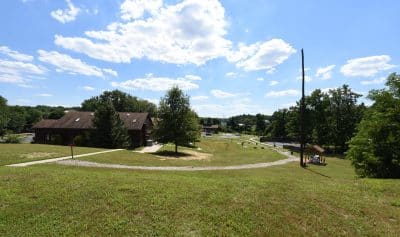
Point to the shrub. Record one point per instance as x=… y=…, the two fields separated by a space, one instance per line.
x=12 y=138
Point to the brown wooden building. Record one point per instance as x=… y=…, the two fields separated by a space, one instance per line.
x=76 y=123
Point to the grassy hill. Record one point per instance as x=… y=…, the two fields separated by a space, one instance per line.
x=285 y=200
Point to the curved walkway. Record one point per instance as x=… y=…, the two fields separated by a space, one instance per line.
x=176 y=168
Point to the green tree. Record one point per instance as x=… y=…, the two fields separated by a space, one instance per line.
x=375 y=149
x=344 y=116
x=177 y=122
x=17 y=115
x=3 y=115
x=121 y=101
x=109 y=130
x=260 y=124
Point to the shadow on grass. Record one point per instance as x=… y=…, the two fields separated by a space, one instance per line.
x=170 y=154
x=315 y=172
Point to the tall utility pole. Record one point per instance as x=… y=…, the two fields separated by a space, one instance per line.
x=302 y=105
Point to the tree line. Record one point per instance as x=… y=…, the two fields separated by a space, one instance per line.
x=331 y=119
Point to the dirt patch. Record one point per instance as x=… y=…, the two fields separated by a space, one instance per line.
x=187 y=155
x=34 y=155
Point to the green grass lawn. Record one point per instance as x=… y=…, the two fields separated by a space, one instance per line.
x=224 y=152
x=284 y=200
x=18 y=153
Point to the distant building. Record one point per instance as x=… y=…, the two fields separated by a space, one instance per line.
x=74 y=123
x=212 y=129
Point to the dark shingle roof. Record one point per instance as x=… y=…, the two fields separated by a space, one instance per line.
x=83 y=120
x=45 y=123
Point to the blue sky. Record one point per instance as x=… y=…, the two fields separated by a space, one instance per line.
x=230 y=56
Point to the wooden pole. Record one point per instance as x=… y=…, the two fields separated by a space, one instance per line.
x=302 y=105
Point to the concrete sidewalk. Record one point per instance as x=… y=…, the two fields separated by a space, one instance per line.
x=59 y=159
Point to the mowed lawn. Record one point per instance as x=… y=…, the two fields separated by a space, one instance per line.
x=211 y=151
x=53 y=200
x=18 y=153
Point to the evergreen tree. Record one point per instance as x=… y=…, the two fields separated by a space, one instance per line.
x=109 y=130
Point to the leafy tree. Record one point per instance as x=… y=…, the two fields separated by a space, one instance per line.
x=121 y=101
x=375 y=149
x=17 y=120
x=56 y=113
x=344 y=115
x=3 y=115
x=177 y=122
x=260 y=124
x=278 y=123
x=109 y=131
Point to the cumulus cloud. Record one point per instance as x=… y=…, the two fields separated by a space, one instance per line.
x=188 y=32
x=374 y=81
x=289 y=92
x=222 y=94
x=262 y=55
x=273 y=83
x=15 y=54
x=66 y=15
x=325 y=73
x=65 y=63
x=260 y=79
x=367 y=66
x=134 y=9
x=153 y=83
x=193 y=77
x=17 y=72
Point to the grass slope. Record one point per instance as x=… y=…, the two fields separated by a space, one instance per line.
x=224 y=152
x=18 y=153
x=285 y=200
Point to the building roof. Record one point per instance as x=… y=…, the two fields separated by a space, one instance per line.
x=45 y=123
x=317 y=148
x=83 y=120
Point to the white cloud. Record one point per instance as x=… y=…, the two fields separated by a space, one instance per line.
x=273 y=83
x=231 y=74
x=65 y=63
x=260 y=79
x=134 y=9
x=306 y=78
x=193 y=77
x=110 y=71
x=16 y=72
x=367 y=66
x=44 y=95
x=374 y=81
x=234 y=107
x=325 y=73
x=15 y=54
x=199 y=97
x=289 y=92
x=222 y=94
x=88 y=88
x=188 y=32
x=66 y=15
x=262 y=55
x=156 y=83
